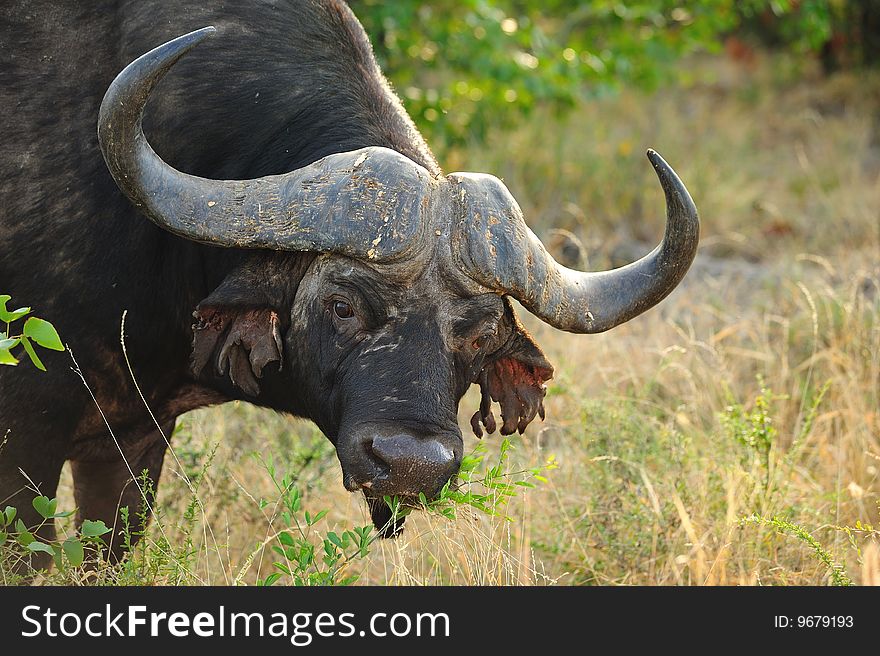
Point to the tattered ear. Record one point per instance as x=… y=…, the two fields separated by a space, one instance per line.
x=514 y=378
x=235 y=341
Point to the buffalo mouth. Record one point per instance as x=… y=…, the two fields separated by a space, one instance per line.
x=399 y=461
x=389 y=520
x=389 y=523
x=384 y=519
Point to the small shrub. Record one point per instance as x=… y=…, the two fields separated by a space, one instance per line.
x=18 y=542
x=783 y=527
x=306 y=556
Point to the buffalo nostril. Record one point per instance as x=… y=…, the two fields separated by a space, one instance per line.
x=392 y=461
x=405 y=453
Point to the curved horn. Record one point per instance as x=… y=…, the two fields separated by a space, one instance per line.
x=339 y=204
x=500 y=252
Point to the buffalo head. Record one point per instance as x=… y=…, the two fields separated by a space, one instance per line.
x=403 y=302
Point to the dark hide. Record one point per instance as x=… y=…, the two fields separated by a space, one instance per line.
x=282 y=84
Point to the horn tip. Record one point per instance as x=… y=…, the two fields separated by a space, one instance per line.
x=656 y=160
x=186 y=42
x=197 y=36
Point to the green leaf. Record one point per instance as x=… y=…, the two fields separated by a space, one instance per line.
x=43 y=333
x=269 y=580
x=286 y=538
x=7 y=358
x=45 y=506
x=469 y=463
x=3 y=536
x=7 y=343
x=306 y=556
x=335 y=539
x=7 y=316
x=32 y=354
x=281 y=566
x=73 y=549
x=15 y=315
x=36 y=545
x=90 y=529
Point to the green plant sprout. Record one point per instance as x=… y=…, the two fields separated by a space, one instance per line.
x=34 y=331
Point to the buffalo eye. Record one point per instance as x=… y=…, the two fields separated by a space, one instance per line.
x=342 y=310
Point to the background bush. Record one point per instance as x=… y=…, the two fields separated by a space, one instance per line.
x=463 y=66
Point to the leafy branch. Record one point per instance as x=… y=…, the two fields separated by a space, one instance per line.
x=71 y=551
x=34 y=331
x=480 y=486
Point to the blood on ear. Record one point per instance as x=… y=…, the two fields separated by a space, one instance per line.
x=518 y=387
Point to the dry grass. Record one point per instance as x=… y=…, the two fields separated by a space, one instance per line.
x=652 y=484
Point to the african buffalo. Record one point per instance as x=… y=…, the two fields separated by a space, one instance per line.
x=304 y=251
